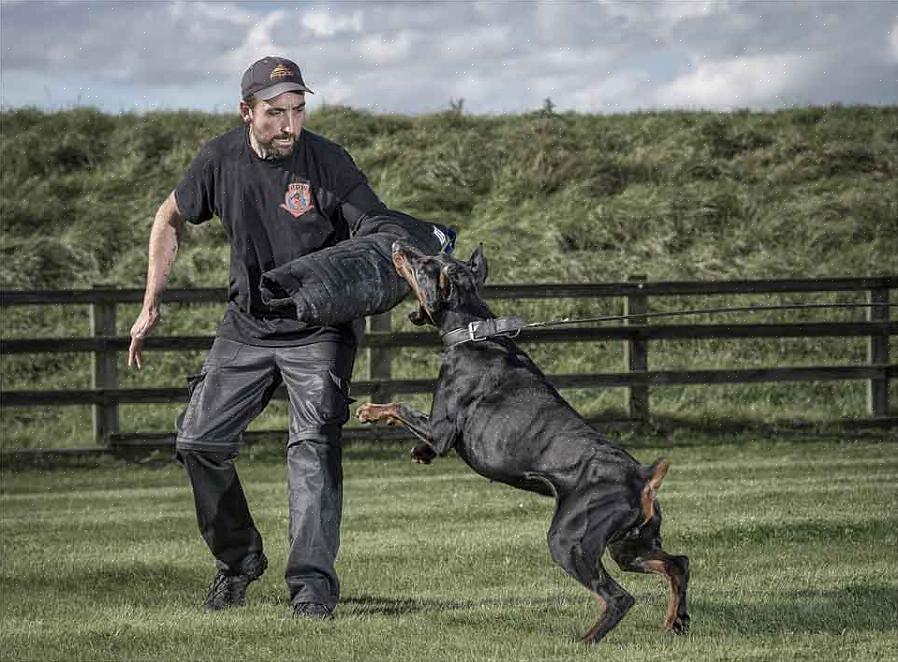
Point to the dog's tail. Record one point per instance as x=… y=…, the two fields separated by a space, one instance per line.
x=654 y=475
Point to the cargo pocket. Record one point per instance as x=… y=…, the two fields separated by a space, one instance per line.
x=183 y=419
x=223 y=353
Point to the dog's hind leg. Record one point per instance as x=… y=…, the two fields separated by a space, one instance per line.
x=613 y=597
x=576 y=542
x=414 y=421
x=642 y=553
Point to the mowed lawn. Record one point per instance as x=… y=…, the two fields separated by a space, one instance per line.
x=792 y=546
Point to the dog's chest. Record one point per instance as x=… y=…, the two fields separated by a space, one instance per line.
x=538 y=456
x=512 y=423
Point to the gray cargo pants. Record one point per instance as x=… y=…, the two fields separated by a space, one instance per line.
x=233 y=387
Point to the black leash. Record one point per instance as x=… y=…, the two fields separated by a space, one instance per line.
x=703 y=311
x=512 y=326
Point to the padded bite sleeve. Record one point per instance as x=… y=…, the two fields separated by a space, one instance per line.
x=356 y=277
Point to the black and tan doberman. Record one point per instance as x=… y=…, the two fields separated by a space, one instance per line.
x=502 y=416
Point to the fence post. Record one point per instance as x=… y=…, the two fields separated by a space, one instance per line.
x=380 y=359
x=636 y=351
x=105 y=373
x=878 y=353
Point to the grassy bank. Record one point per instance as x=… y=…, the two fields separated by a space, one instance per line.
x=553 y=197
x=564 y=197
x=791 y=545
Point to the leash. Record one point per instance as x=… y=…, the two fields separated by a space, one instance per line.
x=728 y=309
x=511 y=327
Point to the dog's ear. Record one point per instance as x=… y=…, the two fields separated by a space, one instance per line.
x=478 y=264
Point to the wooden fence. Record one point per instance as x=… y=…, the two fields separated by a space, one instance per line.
x=380 y=343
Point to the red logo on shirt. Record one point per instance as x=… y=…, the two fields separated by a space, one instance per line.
x=298 y=199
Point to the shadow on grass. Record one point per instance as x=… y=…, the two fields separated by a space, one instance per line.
x=138 y=584
x=146 y=585
x=818 y=533
x=369 y=605
x=855 y=608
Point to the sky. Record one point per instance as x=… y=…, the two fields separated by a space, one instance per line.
x=592 y=56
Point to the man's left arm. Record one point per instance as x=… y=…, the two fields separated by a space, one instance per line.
x=359 y=202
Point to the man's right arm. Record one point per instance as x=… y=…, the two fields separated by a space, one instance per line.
x=165 y=236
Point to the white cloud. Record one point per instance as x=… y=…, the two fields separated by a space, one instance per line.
x=616 y=93
x=380 y=49
x=893 y=42
x=484 y=40
x=258 y=41
x=334 y=91
x=736 y=83
x=323 y=23
x=663 y=13
x=500 y=56
x=198 y=9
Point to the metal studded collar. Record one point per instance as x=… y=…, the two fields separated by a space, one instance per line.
x=483 y=329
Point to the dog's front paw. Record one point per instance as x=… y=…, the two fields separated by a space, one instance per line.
x=367 y=413
x=374 y=413
x=422 y=454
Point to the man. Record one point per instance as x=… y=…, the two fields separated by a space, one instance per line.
x=281 y=192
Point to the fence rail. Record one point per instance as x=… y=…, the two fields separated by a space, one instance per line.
x=380 y=341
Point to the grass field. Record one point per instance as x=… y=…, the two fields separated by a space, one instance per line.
x=792 y=545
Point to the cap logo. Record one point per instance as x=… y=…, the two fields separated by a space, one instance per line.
x=280 y=71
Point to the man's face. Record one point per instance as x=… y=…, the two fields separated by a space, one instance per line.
x=275 y=124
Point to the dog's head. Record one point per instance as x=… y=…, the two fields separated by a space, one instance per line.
x=440 y=282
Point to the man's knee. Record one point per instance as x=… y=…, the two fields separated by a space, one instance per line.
x=206 y=448
x=205 y=461
x=330 y=434
x=314 y=461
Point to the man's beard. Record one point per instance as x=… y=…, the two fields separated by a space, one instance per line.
x=271 y=149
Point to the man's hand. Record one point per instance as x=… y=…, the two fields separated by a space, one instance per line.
x=164 y=239
x=148 y=318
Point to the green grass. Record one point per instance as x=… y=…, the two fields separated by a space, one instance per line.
x=792 y=547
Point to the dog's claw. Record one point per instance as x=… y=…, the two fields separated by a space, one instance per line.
x=680 y=626
x=588 y=640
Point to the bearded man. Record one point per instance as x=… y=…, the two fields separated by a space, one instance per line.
x=281 y=192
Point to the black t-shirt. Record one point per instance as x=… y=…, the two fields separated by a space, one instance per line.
x=274 y=211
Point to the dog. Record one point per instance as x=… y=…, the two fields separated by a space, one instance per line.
x=498 y=411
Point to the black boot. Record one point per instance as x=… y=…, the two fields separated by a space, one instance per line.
x=229 y=590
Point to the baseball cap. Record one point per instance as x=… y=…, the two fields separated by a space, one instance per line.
x=271 y=76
